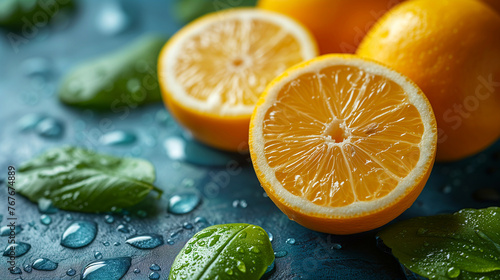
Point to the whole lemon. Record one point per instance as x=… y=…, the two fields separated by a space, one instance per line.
x=338 y=25
x=451 y=49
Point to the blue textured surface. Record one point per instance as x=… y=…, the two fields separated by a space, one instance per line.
x=314 y=255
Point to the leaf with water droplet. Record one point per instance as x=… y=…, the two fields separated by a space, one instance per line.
x=216 y=251
x=462 y=245
x=127 y=77
x=81 y=180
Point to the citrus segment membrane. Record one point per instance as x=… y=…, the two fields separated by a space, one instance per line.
x=222 y=65
x=341 y=135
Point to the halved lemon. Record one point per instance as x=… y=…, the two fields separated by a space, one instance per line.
x=342 y=144
x=213 y=71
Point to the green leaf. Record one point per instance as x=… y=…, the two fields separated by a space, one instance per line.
x=31 y=14
x=230 y=251
x=127 y=77
x=187 y=10
x=81 y=180
x=463 y=245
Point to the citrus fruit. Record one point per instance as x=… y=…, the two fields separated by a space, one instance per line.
x=495 y=4
x=213 y=70
x=342 y=144
x=338 y=25
x=451 y=50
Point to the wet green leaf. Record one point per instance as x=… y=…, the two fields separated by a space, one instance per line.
x=463 y=245
x=127 y=77
x=81 y=180
x=230 y=251
x=187 y=10
x=29 y=14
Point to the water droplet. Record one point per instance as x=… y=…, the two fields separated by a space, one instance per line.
x=243 y=235
x=453 y=272
x=36 y=67
x=142 y=213
x=336 y=246
x=15 y=270
x=105 y=243
x=50 y=127
x=97 y=255
x=29 y=122
x=112 y=19
x=290 y=241
x=154 y=267
x=127 y=218
x=162 y=117
x=116 y=244
x=422 y=231
x=6 y=230
x=447 y=189
x=271 y=237
x=154 y=275
x=79 y=234
x=241 y=266
x=187 y=225
x=109 y=219
x=44 y=264
x=45 y=219
x=27 y=268
x=45 y=206
x=70 y=272
x=122 y=228
x=228 y=271
x=137 y=271
x=145 y=241
x=175 y=233
x=183 y=203
x=118 y=137
x=69 y=217
x=16 y=249
x=189 y=150
x=280 y=254
x=198 y=220
x=106 y=269
x=270 y=270
x=254 y=249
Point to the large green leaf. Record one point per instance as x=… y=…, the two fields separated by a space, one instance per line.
x=463 y=245
x=230 y=251
x=81 y=180
x=188 y=10
x=127 y=77
x=30 y=14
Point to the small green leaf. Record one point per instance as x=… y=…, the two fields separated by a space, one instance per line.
x=30 y=14
x=81 y=180
x=188 y=10
x=127 y=77
x=463 y=245
x=230 y=251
